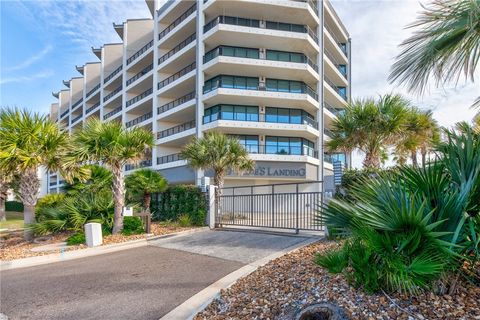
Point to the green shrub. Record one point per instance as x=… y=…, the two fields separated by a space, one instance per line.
x=77 y=238
x=198 y=217
x=132 y=225
x=184 y=220
x=335 y=261
x=14 y=206
x=52 y=200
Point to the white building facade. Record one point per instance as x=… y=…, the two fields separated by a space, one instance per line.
x=272 y=73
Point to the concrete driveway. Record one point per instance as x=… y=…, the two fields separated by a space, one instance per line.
x=140 y=283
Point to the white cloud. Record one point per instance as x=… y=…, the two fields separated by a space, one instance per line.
x=34 y=76
x=28 y=62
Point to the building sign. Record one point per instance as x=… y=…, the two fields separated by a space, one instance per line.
x=276 y=170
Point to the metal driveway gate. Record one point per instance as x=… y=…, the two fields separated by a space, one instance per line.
x=286 y=206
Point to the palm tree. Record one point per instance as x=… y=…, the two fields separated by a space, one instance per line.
x=371 y=126
x=5 y=180
x=145 y=182
x=444 y=46
x=99 y=179
x=27 y=142
x=220 y=153
x=112 y=145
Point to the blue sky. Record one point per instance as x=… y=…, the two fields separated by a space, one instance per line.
x=42 y=41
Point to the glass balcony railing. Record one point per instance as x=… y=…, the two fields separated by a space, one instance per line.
x=327 y=132
x=111 y=75
x=172 y=104
x=89 y=93
x=138 y=120
x=342 y=91
x=177 y=75
x=140 y=74
x=76 y=104
x=253 y=53
x=169 y=158
x=141 y=164
x=144 y=94
x=64 y=113
x=335 y=111
x=111 y=94
x=342 y=68
x=76 y=119
x=177 y=48
x=177 y=129
x=254 y=23
x=281 y=150
x=140 y=52
x=177 y=21
x=113 y=112
x=92 y=107
x=230 y=116
x=341 y=45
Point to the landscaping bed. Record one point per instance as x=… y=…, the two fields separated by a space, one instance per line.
x=283 y=286
x=12 y=245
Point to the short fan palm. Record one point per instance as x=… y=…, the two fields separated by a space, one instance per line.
x=144 y=182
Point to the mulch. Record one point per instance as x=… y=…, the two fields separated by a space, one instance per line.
x=285 y=285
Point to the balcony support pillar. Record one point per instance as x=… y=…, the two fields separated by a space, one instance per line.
x=199 y=80
x=320 y=115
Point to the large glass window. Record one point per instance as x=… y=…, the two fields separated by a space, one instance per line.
x=231 y=112
x=250 y=143
x=288 y=86
x=288 y=145
x=286 y=56
x=285 y=115
x=225 y=81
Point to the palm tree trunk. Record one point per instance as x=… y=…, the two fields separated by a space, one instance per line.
x=29 y=186
x=371 y=161
x=3 y=216
x=147 y=197
x=218 y=180
x=423 y=151
x=414 y=158
x=118 y=189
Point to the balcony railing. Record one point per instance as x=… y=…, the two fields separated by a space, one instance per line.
x=138 y=120
x=89 y=93
x=140 y=74
x=327 y=132
x=177 y=129
x=53 y=183
x=249 y=53
x=144 y=94
x=111 y=75
x=111 y=94
x=141 y=164
x=140 y=52
x=64 y=113
x=342 y=91
x=92 y=107
x=254 y=23
x=177 y=21
x=281 y=150
x=172 y=104
x=111 y=113
x=311 y=3
x=335 y=111
x=340 y=44
x=77 y=103
x=76 y=119
x=177 y=48
x=302 y=120
x=177 y=75
x=169 y=158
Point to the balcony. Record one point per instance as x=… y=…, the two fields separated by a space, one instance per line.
x=64 y=113
x=92 y=108
x=76 y=119
x=341 y=91
x=113 y=112
x=77 y=103
x=111 y=75
x=281 y=150
x=141 y=164
x=177 y=48
x=169 y=158
x=333 y=110
x=140 y=74
x=138 y=120
x=140 y=52
x=340 y=44
x=177 y=75
x=111 y=94
x=172 y=104
x=177 y=21
x=144 y=94
x=89 y=93
x=175 y=130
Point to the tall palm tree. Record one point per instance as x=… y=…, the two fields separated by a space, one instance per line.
x=221 y=154
x=371 y=126
x=444 y=45
x=29 y=141
x=112 y=145
x=144 y=182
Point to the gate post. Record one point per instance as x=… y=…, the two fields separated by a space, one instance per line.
x=212 y=210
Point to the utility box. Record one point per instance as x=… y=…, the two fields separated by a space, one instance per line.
x=93 y=234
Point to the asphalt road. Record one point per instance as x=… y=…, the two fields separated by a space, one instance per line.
x=140 y=283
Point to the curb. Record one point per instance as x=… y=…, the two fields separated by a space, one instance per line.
x=87 y=252
x=195 y=304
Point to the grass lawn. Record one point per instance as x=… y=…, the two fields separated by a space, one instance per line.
x=14 y=221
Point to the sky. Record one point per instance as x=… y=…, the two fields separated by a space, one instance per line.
x=42 y=41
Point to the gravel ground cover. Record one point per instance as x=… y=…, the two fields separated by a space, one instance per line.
x=283 y=286
x=12 y=245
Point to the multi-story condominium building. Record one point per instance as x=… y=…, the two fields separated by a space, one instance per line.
x=274 y=74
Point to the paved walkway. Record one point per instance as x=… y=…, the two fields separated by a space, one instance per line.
x=140 y=283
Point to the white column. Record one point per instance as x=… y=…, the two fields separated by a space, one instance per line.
x=320 y=61
x=199 y=80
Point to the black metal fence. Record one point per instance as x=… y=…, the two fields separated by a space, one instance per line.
x=284 y=206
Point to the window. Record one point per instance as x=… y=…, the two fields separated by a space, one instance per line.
x=286 y=56
x=250 y=143
x=285 y=115
x=231 y=112
x=285 y=86
x=225 y=81
x=287 y=145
